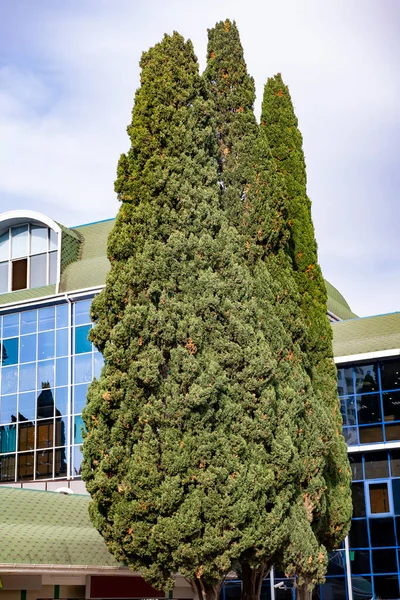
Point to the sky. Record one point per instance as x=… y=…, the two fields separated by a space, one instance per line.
x=69 y=70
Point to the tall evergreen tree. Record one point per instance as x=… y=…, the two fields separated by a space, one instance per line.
x=285 y=140
x=173 y=472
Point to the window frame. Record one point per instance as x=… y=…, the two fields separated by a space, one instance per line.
x=367 y=484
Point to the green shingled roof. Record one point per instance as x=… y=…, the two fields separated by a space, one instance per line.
x=369 y=334
x=337 y=304
x=49 y=528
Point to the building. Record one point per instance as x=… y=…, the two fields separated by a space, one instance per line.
x=48 y=277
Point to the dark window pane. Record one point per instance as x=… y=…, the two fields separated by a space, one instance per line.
x=336 y=563
x=61 y=371
x=62 y=342
x=19 y=273
x=26 y=406
x=360 y=563
x=370 y=435
x=61 y=401
x=82 y=312
x=348 y=410
x=60 y=466
x=62 y=315
x=9 y=380
x=382 y=532
x=233 y=590
x=44 y=464
x=80 y=392
x=61 y=428
x=384 y=561
x=10 y=325
x=4 y=277
x=359 y=534
x=357 y=490
x=82 y=343
x=391 y=406
x=9 y=351
x=356 y=466
x=45 y=374
x=46 y=345
x=8 y=409
x=333 y=589
x=8 y=438
x=27 y=377
x=350 y=435
x=38 y=276
x=345 y=381
x=265 y=591
x=379 y=498
x=362 y=588
x=46 y=318
x=369 y=409
x=28 y=348
x=376 y=465
x=45 y=434
x=26 y=436
x=392 y=432
x=45 y=403
x=7 y=467
x=25 y=466
x=396 y=496
x=386 y=586
x=395 y=463
x=53 y=267
x=29 y=321
x=366 y=378
x=390 y=374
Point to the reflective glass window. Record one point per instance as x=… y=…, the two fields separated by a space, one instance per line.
x=82 y=343
x=348 y=410
x=19 y=241
x=345 y=381
x=27 y=377
x=45 y=433
x=9 y=380
x=83 y=368
x=232 y=590
x=357 y=490
x=7 y=467
x=3 y=277
x=45 y=403
x=38 y=275
x=390 y=374
x=25 y=462
x=8 y=409
x=52 y=267
x=366 y=378
x=26 y=436
x=82 y=312
x=382 y=532
x=46 y=345
x=379 y=498
x=80 y=392
x=77 y=457
x=78 y=426
x=39 y=239
x=62 y=315
x=9 y=351
x=53 y=240
x=359 y=534
x=350 y=435
x=396 y=496
x=391 y=406
x=333 y=589
x=361 y=562
x=395 y=463
x=46 y=318
x=10 y=325
x=61 y=401
x=44 y=464
x=392 y=432
x=356 y=466
x=29 y=321
x=370 y=435
x=4 y=245
x=62 y=371
x=60 y=463
x=336 y=563
x=28 y=348
x=376 y=465
x=98 y=364
x=61 y=431
x=8 y=438
x=369 y=408
x=386 y=586
x=26 y=406
x=45 y=374
x=62 y=342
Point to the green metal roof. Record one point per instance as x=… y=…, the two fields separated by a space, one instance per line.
x=49 y=528
x=368 y=334
x=337 y=304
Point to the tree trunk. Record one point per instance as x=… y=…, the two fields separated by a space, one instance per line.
x=302 y=591
x=205 y=591
x=252 y=581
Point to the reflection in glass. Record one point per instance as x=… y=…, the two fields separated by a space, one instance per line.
x=77 y=469
x=359 y=534
x=62 y=315
x=26 y=436
x=10 y=325
x=62 y=371
x=356 y=466
x=45 y=373
x=26 y=406
x=83 y=368
x=98 y=364
x=45 y=403
x=44 y=464
x=369 y=408
x=361 y=562
x=391 y=406
x=78 y=426
x=333 y=589
x=46 y=318
x=357 y=490
x=345 y=381
x=27 y=377
x=82 y=312
x=376 y=465
x=61 y=428
x=61 y=401
x=348 y=410
x=60 y=463
x=350 y=435
x=390 y=374
x=7 y=467
x=8 y=409
x=366 y=378
x=46 y=345
x=45 y=433
x=62 y=342
x=3 y=277
x=25 y=466
x=8 y=438
x=9 y=380
x=9 y=351
x=369 y=435
x=80 y=392
x=19 y=241
x=82 y=343
x=28 y=321
x=362 y=588
x=28 y=348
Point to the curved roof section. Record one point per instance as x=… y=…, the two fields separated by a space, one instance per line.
x=18 y=217
x=337 y=304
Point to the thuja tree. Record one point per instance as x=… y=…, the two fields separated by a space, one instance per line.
x=285 y=140
x=172 y=473
x=255 y=200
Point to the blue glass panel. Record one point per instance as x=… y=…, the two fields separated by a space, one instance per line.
x=8 y=409
x=77 y=469
x=27 y=377
x=10 y=325
x=83 y=368
x=9 y=380
x=9 y=351
x=26 y=406
x=7 y=467
x=62 y=316
x=82 y=312
x=8 y=438
x=46 y=345
x=46 y=318
x=82 y=343
x=28 y=348
x=396 y=496
x=62 y=342
x=61 y=431
x=29 y=322
x=45 y=403
x=98 y=364
x=61 y=401
x=78 y=426
x=80 y=392
x=61 y=371
x=45 y=374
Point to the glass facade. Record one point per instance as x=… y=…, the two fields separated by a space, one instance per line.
x=47 y=364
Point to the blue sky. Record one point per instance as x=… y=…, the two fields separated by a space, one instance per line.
x=69 y=70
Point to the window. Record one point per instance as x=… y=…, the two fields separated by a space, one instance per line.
x=28 y=257
x=379 y=498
